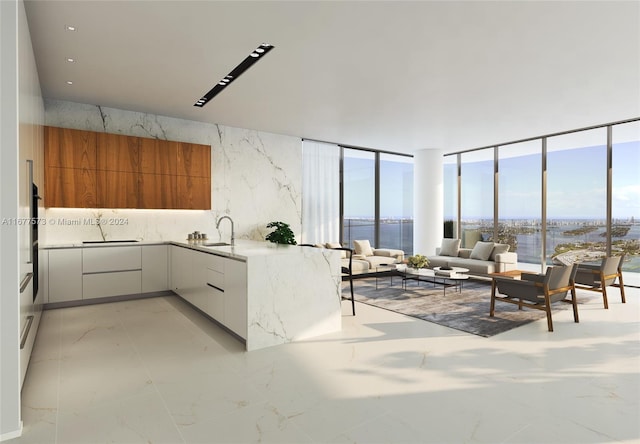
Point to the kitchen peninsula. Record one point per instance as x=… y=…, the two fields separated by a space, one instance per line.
x=291 y=292
x=263 y=293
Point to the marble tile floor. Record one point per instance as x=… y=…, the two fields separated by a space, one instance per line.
x=156 y=371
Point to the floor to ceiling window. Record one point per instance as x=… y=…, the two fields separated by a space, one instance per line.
x=625 y=202
x=377 y=191
x=476 y=193
x=359 y=195
x=561 y=198
x=520 y=199
x=576 y=196
x=396 y=202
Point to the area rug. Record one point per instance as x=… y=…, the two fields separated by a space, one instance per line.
x=467 y=311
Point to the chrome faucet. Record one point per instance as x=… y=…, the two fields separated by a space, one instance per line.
x=233 y=236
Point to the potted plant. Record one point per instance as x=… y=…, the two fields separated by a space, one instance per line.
x=281 y=235
x=417 y=261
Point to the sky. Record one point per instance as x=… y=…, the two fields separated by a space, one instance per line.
x=576 y=185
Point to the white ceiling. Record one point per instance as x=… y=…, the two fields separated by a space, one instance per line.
x=398 y=76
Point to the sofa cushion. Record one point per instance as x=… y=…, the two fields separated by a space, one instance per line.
x=363 y=247
x=482 y=251
x=357 y=266
x=438 y=261
x=475 y=266
x=449 y=247
x=498 y=249
x=376 y=261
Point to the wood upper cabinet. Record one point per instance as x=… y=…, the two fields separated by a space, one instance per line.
x=116 y=152
x=118 y=167
x=85 y=169
x=70 y=187
x=194 y=160
x=70 y=168
x=69 y=148
x=118 y=189
x=158 y=191
x=158 y=156
x=194 y=192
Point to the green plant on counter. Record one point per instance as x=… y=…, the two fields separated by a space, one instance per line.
x=281 y=235
x=417 y=261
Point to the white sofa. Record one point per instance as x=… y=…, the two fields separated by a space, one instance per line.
x=366 y=259
x=481 y=260
x=375 y=256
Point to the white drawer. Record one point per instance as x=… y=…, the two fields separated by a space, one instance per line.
x=216 y=279
x=100 y=259
x=215 y=263
x=101 y=285
x=215 y=304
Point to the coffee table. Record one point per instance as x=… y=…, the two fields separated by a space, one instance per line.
x=389 y=269
x=447 y=278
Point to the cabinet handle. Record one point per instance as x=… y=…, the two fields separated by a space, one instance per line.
x=25 y=281
x=25 y=332
x=217 y=288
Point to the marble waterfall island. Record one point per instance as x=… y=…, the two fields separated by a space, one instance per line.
x=267 y=294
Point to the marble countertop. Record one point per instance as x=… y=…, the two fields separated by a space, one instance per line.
x=243 y=249
x=98 y=244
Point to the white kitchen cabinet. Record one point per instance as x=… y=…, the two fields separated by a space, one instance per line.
x=100 y=285
x=111 y=271
x=155 y=267
x=215 y=294
x=106 y=259
x=235 y=296
x=65 y=275
x=181 y=271
x=199 y=289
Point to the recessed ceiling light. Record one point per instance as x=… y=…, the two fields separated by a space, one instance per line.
x=69 y=82
x=70 y=28
x=70 y=60
x=255 y=55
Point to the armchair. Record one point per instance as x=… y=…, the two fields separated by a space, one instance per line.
x=599 y=277
x=537 y=291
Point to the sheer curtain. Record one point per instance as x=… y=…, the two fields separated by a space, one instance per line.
x=320 y=192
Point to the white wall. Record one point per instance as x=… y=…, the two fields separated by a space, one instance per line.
x=10 y=425
x=256 y=179
x=21 y=117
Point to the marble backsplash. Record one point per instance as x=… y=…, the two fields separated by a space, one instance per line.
x=256 y=178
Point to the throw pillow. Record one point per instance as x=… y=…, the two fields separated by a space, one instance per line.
x=450 y=247
x=482 y=251
x=363 y=247
x=498 y=249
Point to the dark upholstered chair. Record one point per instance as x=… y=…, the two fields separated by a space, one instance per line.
x=537 y=291
x=347 y=273
x=599 y=277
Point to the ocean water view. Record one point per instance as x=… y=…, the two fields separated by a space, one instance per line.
x=566 y=239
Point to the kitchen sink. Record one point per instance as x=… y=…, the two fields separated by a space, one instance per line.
x=215 y=244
